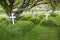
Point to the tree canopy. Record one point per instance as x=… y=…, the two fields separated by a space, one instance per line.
x=18 y=6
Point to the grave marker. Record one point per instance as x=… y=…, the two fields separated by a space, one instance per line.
x=33 y=15
x=47 y=16
x=12 y=17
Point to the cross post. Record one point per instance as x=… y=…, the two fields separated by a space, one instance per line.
x=47 y=16
x=33 y=14
x=12 y=17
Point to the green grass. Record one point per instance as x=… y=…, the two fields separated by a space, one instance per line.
x=43 y=33
x=35 y=20
x=16 y=31
x=50 y=22
x=27 y=28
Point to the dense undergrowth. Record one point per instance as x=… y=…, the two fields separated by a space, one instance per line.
x=27 y=28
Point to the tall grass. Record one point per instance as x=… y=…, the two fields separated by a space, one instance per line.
x=16 y=31
x=43 y=33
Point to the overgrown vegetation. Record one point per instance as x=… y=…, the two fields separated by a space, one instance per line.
x=28 y=28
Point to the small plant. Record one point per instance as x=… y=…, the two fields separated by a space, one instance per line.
x=35 y=20
x=11 y=32
x=57 y=18
x=25 y=18
x=43 y=33
x=50 y=22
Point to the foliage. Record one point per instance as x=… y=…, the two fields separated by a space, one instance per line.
x=16 y=31
x=16 y=5
x=26 y=18
x=25 y=30
x=50 y=22
x=54 y=4
x=35 y=20
x=18 y=18
x=54 y=14
x=57 y=18
x=43 y=33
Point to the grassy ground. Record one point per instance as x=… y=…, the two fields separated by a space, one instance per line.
x=27 y=28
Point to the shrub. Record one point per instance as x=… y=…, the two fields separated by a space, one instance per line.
x=25 y=30
x=53 y=14
x=23 y=26
x=35 y=20
x=3 y=19
x=25 y=18
x=50 y=22
x=16 y=31
x=42 y=15
x=42 y=33
x=57 y=18
x=18 y=18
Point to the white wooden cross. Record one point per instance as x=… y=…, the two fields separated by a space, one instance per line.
x=47 y=16
x=33 y=14
x=12 y=17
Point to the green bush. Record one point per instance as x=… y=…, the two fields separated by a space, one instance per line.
x=16 y=31
x=53 y=14
x=25 y=30
x=42 y=15
x=50 y=22
x=3 y=19
x=43 y=33
x=35 y=20
x=18 y=18
x=25 y=18
x=57 y=18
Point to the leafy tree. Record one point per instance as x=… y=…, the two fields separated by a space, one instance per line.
x=54 y=4
x=17 y=6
